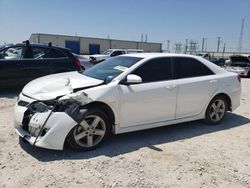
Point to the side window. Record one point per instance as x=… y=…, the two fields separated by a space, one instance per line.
x=39 y=53
x=44 y=53
x=54 y=53
x=154 y=70
x=189 y=67
x=12 y=53
x=116 y=53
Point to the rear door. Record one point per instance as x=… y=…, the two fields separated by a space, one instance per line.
x=195 y=85
x=12 y=66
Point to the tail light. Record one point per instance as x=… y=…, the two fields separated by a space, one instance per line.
x=239 y=78
x=78 y=64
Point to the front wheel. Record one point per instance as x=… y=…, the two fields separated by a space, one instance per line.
x=216 y=110
x=91 y=132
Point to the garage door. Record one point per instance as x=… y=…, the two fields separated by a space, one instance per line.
x=94 y=49
x=74 y=46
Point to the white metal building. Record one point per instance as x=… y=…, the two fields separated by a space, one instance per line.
x=88 y=45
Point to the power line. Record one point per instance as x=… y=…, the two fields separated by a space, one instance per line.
x=178 y=47
x=193 y=47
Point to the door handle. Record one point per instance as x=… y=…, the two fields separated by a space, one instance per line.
x=171 y=87
x=213 y=81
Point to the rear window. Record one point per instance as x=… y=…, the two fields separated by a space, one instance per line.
x=45 y=53
x=189 y=67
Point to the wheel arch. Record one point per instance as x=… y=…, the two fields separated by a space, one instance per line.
x=105 y=107
x=227 y=98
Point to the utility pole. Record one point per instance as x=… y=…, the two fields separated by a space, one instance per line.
x=168 y=41
x=178 y=47
x=241 y=36
x=203 y=42
x=142 y=37
x=186 y=46
x=192 y=47
x=224 y=49
x=218 y=44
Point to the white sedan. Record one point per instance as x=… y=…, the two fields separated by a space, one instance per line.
x=123 y=94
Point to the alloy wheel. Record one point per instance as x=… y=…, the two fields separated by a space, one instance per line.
x=217 y=110
x=90 y=131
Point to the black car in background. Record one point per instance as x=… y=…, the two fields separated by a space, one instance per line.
x=21 y=63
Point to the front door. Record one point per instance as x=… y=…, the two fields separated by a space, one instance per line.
x=153 y=100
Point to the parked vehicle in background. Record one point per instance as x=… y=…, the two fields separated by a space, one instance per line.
x=112 y=53
x=21 y=63
x=85 y=62
x=239 y=64
x=205 y=55
x=218 y=61
x=122 y=94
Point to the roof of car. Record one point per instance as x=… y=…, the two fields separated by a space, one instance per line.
x=36 y=45
x=151 y=55
x=241 y=55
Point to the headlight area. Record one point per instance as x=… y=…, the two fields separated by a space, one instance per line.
x=35 y=118
x=39 y=112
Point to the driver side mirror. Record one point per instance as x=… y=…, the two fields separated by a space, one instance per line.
x=133 y=79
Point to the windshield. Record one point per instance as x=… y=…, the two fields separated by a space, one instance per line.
x=107 y=52
x=111 y=67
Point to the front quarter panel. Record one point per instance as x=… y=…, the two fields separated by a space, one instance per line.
x=59 y=124
x=107 y=94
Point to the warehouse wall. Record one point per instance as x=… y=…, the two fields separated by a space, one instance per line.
x=56 y=40
x=123 y=44
x=150 y=47
x=59 y=40
x=84 y=44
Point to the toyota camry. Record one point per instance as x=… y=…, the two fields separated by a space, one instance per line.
x=122 y=94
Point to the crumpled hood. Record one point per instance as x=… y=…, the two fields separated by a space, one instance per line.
x=55 y=85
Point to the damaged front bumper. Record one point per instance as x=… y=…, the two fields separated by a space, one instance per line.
x=45 y=126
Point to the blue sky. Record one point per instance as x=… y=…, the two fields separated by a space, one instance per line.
x=162 y=20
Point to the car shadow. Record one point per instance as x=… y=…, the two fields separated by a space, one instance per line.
x=129 y=142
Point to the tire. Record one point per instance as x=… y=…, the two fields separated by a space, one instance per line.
x=91 y=132
x=216 y=110
x=248 y=74
x=83 y=69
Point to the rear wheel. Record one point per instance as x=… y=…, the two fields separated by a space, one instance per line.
x=248 y=74
x=91 y=132
x=83 y=69
x=216 y=110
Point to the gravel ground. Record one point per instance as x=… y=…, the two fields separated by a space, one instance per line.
x=185 y=155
